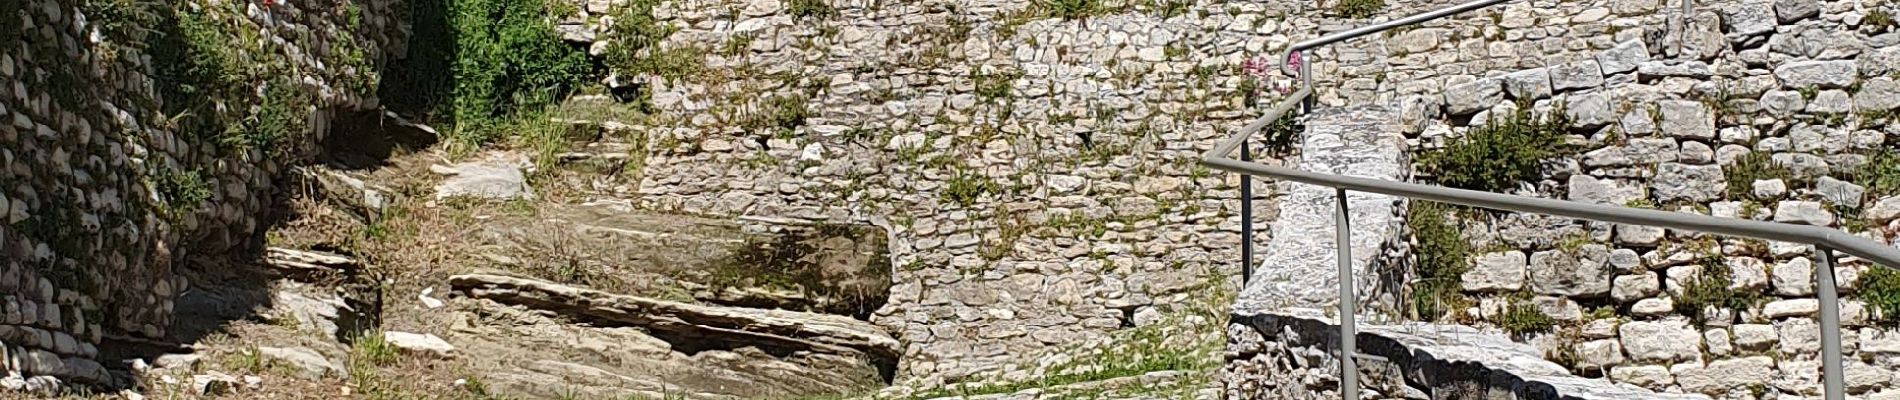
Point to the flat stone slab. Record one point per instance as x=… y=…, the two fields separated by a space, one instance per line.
x=1299 y=265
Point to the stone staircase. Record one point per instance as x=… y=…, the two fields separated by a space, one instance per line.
x=1299 y=264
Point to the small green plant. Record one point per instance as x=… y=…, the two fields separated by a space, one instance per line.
x=737 y=45
x=995 y=86
x=180 y=192
x=812 y=9
x=1501 y=155
x=1442 y=258
x=1743 y=173
x=1880 y=288
x=1710 y=288
x=1880 y=174
x=371 y=349
x=1164 y=9
x=966 y=187
x=1280 y=136
x=1878 y=20
x=1358 y=8
x=1071 y=9
x=1522 y=317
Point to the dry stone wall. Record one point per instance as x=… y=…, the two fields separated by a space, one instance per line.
x=103 y=193
x=1767 y=110
x=1038 y=173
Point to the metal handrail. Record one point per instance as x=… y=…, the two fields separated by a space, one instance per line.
x=1825 y=240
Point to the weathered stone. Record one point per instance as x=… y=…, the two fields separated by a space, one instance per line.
x=1749 y=18
x=1698 y=183
x=1886 y=209
x=1716 y=340
x=1720 y=376
x=308 y=363
x=1768 y=189
x=1791 y=308
x=1642 y=151
x=1839 y=192
x=1652 y=307
x=1472 y=97
x=1589 y=110
x=1803 y=212
x=1747 y=273
x=1664 y=341
x=1834 y=101
x=1878 y=94
x=1577 y=75
x=1822 y=74
x=1790 y=11
x=1755 y=337
x=1599 y=354
x=1666 y=69
x=1629 y=288
x=215 y=383
x=1496 y=272
x=1638 y=235
x=1560 y=273
x=1799 y=335
x=1794 y=277
x=1686 y=119
x=1530 y=84
x=427 y=345
x=492 y=178
x=1625 y=57
x=1783 y=102
x=1587 y=189
x=1558 y=308
x=1649 y=376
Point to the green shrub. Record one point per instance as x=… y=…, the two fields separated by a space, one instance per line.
x=812 y=9
x=1879 y=20
x=1070 y=9
x=1880 y=288
x=1880 y=174
x=1500 y=155
x=179 y=192
x=284 y=112
x=1744 y=171
x=1710 y=288
x=1279 y=137
x=509 y=58
x=966 y=187
x=1443 y=255
x=372 y=349
x=1522 y=317
x=194 y=68
x=1358 y=8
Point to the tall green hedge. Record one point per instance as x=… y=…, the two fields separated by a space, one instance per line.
x=476 y=63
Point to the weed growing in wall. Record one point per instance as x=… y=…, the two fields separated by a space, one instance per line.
x=1358 y=8
x=1443 y=255
x=508 y=58
x=1878 y=20
x=1745 y=170
x=1710 y=288
x=1071 y=9
x=812 y=9
x=1501 y=155
x=1522 y=317
x=1880 y=288
x=1880 y=174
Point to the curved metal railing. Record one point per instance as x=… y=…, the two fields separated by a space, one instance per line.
x=1825 y=240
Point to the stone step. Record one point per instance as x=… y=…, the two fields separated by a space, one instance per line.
x=1299 y=266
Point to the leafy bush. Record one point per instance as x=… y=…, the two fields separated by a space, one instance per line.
x=508 y=58
x=1443 y=255
x=195 y=67
x=1754 y=166
x=1710 y=288
x=1358 y=8
x=966 y=187
x=1879 y=20
x=1500 y=155
x=1880 y=288
x=1880 y=174
x=812 y=9
x=284 y=112
x=1522 y=317
x=1070 y=9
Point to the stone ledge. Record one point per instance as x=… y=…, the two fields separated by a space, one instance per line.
x=1289 y=354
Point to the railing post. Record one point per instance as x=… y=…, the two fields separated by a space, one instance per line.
x=1831 y=379
x=1246 y=219
x=1348 y=346
x=1306 y=78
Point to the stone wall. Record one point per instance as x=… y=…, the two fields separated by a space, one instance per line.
x=104 y=193
x=1039 y=174
x=1291 y=354
x=1666 y=109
